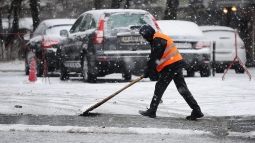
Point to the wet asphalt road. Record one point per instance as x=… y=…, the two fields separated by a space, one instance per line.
x=219 y=126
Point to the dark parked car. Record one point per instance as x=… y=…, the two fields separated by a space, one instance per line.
x=46 y=37
x=107 y=41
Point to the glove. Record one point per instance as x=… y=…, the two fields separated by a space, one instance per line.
x=146 y=73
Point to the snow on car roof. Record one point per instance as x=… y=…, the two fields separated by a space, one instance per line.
x=215 y=28
x=179 y=28
x=98 y=13
x=50 y=22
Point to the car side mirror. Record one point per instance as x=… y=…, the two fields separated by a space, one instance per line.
x=26 y=37
x=64 y=33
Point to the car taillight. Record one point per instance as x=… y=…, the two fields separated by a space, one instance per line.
x=47 y=43
x=241 y=47
x=156 y=24
x=203 y=44
x=99 y=36
x=103 y=59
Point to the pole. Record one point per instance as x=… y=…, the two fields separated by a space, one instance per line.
x=213 y=64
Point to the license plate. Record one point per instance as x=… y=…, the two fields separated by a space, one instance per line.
x=183 y=45
x=131 y=39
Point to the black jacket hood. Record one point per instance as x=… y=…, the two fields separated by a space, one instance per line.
x=147 y=32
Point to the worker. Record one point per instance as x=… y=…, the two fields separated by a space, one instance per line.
x=168 y=62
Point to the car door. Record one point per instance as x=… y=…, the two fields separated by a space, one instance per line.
x=78 y=33
x=70 y=44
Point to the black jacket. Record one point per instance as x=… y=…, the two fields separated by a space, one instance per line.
x=158 y=46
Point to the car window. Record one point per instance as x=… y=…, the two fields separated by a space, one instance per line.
x=219 y=34
x=40 y=30
x=56 y=30
x=85 y=23
x=76 y=26
x=92 y=23
x=126 y=20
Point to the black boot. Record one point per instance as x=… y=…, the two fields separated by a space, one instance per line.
x=196 y=113
x=149 y=112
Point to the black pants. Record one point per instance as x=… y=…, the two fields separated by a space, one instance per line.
x=165 y=77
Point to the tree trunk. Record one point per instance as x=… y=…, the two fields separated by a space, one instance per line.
x=35 y=11
x=98 y=4
x=1 y=26
x=15 y=7
x=171 y=9
x=127 y=4
x=115 y=4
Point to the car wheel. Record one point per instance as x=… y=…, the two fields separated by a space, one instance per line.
x=39 y=69
x=126 y=75
x=85 y=69
x=26 y=68
x=63 y=73
x=219 y=69
x=205 y=70
x=87 y=73
x=190 y=73
x=239 y=68
x=92 y=78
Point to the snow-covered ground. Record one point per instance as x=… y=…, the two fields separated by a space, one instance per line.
x=233 y=96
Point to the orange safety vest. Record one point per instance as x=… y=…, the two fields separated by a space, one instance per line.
x=171 y=53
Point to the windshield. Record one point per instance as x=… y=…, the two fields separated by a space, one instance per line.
x=56 y=30
x=219 y=34
x=127 y=20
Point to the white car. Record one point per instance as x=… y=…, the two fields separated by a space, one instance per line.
x=225 y=50
x=46 y=37
x=192 y=44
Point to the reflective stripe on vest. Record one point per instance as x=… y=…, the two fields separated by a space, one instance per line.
x=169 y=48
x=168 y=57
x=171 y=53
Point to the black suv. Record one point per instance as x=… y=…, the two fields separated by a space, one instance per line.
x=103 y=42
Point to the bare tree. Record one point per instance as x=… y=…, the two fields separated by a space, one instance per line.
x=35 y=10
x=15 y=8
x=115 y=4
x=98 y=4
x=1 y=27
x=171 y=9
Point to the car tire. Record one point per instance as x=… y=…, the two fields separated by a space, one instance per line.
x=239 y=68
x=63 y=73
x=88 y=75
x=205 y=70
x=126 y=76
x=39 y=69
x=85 y=69
x=190 y=73
x=26 y=68
x=219 y=69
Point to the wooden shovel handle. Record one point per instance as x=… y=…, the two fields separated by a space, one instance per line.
x=111 y=96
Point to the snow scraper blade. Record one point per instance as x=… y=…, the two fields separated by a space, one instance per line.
x=111 y=96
